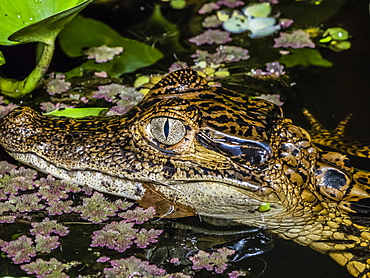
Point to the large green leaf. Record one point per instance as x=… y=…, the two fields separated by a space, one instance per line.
x=304 y=57
x=24 y=21
x=84 y=33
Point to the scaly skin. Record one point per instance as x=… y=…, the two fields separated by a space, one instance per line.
x=212 y=152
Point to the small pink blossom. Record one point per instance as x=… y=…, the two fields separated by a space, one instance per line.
x=103 y=53
x=211 y=36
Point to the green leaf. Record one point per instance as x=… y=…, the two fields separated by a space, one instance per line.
x=36 y=20
x=77 y=112
x=84 y=33
x=2 y=59
x=304 y=57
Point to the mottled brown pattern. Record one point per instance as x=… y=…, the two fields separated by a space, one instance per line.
x=212 y=152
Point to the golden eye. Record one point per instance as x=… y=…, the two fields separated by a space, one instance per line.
x=167 y=131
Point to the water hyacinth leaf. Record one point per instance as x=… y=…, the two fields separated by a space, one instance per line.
x=78 y=112
x=340 y=45
x=35 y=20
x=262 y=27
x=237 y=23
x=336 y=33
x=84 y=33
x=257 y=10
x=304 y=57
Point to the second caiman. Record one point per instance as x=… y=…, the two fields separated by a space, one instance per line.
x=212 y=152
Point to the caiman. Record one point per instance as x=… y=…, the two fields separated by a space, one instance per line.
x=214 y=152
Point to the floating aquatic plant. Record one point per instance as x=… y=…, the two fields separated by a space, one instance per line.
x=236 y=274
x=103 y=53
x=253 y=18
x=336 y=39
x=17 y=179
x=41 y=268
x=26 y=202
x=133 y=267
x=5 y=109
x=120 y=235
x=96 y=209
x=211 y=21
x=275 y=99
x=144 y=237
x=56 y=84
x=109 y=92
x=116 y=235
x=208 y=7
x=273 y=70
x=45 y=244
x=124 y=97
x=138 y=215
x=215 y=261
x=59 y=207
x=296 y=39
x=230 y=3
x=211 y=36
x=46 y=227
x=223 y=54
x=51 y=189
x=20 y=250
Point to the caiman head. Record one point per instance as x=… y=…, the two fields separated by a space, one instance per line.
x=189 y=148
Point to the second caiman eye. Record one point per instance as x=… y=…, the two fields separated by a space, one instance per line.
x=167 y=131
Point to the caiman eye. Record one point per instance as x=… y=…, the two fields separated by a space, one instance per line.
x=167 y=131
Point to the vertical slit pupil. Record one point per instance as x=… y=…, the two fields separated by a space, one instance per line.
x=166 y=128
